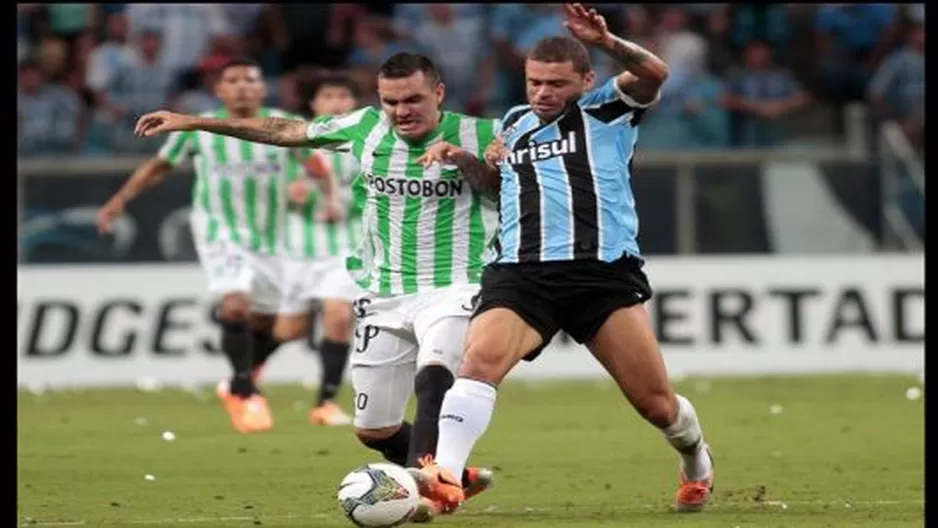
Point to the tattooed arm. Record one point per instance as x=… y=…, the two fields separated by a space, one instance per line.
x=481 y=176
x=644 y=71
x=271 y=130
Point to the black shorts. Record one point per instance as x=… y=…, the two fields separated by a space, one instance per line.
x=574 y=296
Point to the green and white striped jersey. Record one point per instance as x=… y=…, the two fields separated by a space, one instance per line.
x=423 y=228
x=307 y=238
x=239 y=194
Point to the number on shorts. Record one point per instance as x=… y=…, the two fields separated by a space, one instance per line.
x=361 y=401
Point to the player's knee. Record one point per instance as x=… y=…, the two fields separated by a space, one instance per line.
x=235 y=307
x=659 y=407
x=289 y=329
x=484 y=360
x=338 y=320
x=374 y=438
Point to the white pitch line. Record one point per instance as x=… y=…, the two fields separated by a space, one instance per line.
x=846 y=503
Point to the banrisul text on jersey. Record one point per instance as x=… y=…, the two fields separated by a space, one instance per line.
x=565 y=192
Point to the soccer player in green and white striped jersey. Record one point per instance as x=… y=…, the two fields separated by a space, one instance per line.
x=315 y=253
x=237 y=225
x=426 y=230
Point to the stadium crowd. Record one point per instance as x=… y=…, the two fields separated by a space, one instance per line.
x=738 y=71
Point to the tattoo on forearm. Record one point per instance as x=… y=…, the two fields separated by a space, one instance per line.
x=627 y=54
x=480 y=176
x=271 y=130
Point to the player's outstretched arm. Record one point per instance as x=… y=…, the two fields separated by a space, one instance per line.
x=278 y=131
x=644 y=72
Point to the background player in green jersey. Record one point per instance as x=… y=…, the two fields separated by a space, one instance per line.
x=315 y=253
x=237 y=222
x=425 y=234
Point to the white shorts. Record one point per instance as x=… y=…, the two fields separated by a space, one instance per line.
x=397 y=336
x=231 y=268
x=306 y=280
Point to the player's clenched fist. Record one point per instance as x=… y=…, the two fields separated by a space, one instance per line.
x=163 y=121
x=495 y=152
x=441 y=152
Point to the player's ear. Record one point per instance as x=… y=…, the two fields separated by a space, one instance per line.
x=440 y=92
x=589 y=80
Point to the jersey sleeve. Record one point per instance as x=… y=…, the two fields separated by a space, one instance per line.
x=608 y=102
x=178 y=147
x=333 y=131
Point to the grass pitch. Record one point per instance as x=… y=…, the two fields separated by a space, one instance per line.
x=828 y=451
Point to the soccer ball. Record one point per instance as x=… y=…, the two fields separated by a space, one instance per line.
x=378 y=495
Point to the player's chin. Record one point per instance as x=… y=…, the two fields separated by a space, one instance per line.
x=547 y=113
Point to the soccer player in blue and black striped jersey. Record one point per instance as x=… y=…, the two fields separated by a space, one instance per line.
x=568 y=256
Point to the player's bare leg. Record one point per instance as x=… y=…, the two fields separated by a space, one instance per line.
x=245 y=404
x=496 y=341
x=626 y=346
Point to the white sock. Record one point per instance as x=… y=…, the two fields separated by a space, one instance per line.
x=687 y=438
x=464 y=416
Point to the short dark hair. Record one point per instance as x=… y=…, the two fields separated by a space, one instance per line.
x=237 y=61
x=562 y=49
x=405 y=64
x=330 y=80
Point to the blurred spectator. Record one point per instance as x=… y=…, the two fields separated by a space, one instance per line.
x=851 y=39
x=48 y=114
x=144 y=81
x=372 y=46
x=267 y=43
x=52 y=57
x=709 y=122
x=106 y=60
x=767 y=23
x=243 y=18
x=688 y=114
x=318 y=34
x=678 y=45
x=108 y=9
x=187 y=29
x=897 y=91
x=760 y=95
x=717 y=32
x=515 y=29
x=454 y=35
x=24 y=30
x=197 y=92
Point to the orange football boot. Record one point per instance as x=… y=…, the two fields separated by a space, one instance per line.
x=329 y=413
x=693 y=496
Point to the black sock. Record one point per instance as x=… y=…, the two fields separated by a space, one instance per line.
x=237 y=344
x=393 y=448
x=430 y=385
x=334 y=356
x=264 y=347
